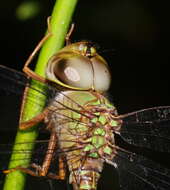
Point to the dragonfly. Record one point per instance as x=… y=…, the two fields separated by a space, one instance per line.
x=85 y=131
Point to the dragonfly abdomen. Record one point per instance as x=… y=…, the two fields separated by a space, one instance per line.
x=87 y=175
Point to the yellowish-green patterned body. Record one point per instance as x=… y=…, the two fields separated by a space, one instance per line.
x=86 y=124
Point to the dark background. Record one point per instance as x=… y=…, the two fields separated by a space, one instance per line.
x=133 y=36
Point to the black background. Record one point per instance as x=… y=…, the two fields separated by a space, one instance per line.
x=133 y=34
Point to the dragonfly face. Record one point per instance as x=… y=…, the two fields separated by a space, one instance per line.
x=85 y=124
x=78 y=66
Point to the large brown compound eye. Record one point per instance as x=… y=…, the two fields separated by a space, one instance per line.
x=75 y=71
x=78 y=66
x=102 y=77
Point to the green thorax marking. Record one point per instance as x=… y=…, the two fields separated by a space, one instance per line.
x=91 y=130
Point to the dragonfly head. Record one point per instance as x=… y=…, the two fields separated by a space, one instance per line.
x=78 y=66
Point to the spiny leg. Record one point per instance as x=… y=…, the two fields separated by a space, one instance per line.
x=35 y=120
x=62 y=169
x=39 y=170
x=22 y=169
x=49 y=155
x=23 y=103
x=67 y=38
x=43 y=171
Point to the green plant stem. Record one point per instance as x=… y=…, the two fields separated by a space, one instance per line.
x=59 y=23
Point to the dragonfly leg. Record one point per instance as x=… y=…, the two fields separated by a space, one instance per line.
x=32 y=122
x=23 y=103
x=49 y=155
x=26 y=69
x=62 y=170
x=67 y=38
x=24 y=170
x=60 y=176
x=39 y=170
x=36 y=173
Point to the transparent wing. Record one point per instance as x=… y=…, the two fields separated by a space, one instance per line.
x=12 y=80
x=148 y=128
x=139 y=172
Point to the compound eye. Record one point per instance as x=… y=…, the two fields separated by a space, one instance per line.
x=102 y=77
x=74 y=71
